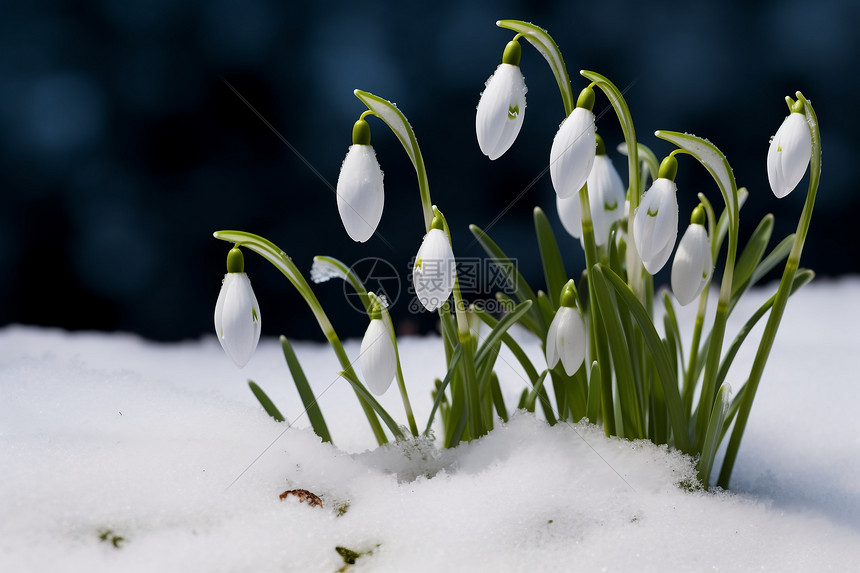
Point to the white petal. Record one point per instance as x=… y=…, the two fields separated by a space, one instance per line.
x=693 y=264
x=237 y=318
x=434 y=272
x=501 y=110
x=606 y=195
x=789 y=154
x=570 y=339
x=551 y=340
x=572 y=153
x=378 y=360
x=655 y=225
x=360 y=195
x=570 y=213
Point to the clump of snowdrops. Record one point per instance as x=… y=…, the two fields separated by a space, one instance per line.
x=606 y=361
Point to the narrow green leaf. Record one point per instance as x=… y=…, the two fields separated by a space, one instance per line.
x=305 y=392
x=495 y=335
x=802 y=277
x=265 y=402
x=775 y=257
x=553 y=266
x=593 y=404
x=751 y=255
x=536 y=392
x=515 y=280
x=543 y=43
x=632 y=416
x=498 y=398
x=666 y=375
x=440 y=391
x=368 y=397
x=672 y=324
x=712 y=436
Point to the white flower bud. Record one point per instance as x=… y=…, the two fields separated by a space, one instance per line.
x=789 y=154
x=572 y=153
x=378 y=359
x=435 y=270
x=237 y=318
x=565 y=340
x=655 y=225
x=693 y=264
x=360 y=195
x=501 y=111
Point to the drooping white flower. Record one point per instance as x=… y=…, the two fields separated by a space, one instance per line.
x=237 y=314
x=573 y=148
x=378 y=359
x=360 y=195
x=789 y=154
x=606 y=196
x=435 y=269
x=502 y=107
x=565 y=339
x=655 y=225
x=693 y=263
x=501 y=111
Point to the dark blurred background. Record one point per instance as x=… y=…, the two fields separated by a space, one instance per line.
x=122 y=150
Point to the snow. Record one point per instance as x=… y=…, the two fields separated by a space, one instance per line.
x=109 y=436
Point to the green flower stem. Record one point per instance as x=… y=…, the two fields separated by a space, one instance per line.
x=283 y=263
x=634 y=262
x=779 y=303
x=712 y=159
x=597 y=335
x=394 y=118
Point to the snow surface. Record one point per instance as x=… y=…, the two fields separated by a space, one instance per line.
x=109 y=436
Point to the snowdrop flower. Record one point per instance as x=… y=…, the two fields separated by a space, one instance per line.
x=502 y=107
x=573 y=148
x=605 y=194
x=237 y=314
x=434 y=272
x=789 y=153
x=655 y=224
x=378 y=359
x=693 y=264
x=565 y=339
x=360 y=195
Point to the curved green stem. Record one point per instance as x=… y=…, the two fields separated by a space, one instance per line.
x=779 y=302
x=543 y=43
x=283 y=263
x=394 y=118
x=634 y=262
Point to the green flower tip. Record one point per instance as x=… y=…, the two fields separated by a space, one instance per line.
x=586 y=98
x=668 y=168
x=568 y=294
x=512 y=54
x=361 y=133
x=601 y=148
x=235 y=261
x=698 y=216
x=436 y=223
x=796 y=107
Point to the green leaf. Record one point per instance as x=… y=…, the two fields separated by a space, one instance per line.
x=593 y=405
x=666 y=375
x=498 y=399
x=633 y=419
x=543 y=43
x=553 y=266
x=368 y=397
x=515 y=280
x=712 y=436
x=500 y=329
x=802 y=277
x=440 y=391
x=305 y=392
x=672 y=324
x=775 y=257
x=265 y=402
x=535 y=392
x=394 y=118
x=751 y=255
